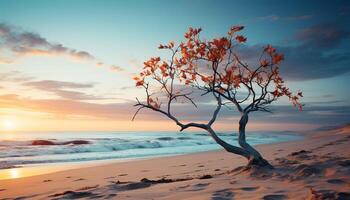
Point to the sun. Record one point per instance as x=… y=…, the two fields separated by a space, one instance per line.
x=8 y=125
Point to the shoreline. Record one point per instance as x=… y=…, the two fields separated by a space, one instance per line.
x=29 y=170
x=301 y=166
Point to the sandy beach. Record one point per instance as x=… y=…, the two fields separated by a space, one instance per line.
x=317 y=167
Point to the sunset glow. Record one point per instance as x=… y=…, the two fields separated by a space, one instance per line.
x=8 y=125
x=14 y=173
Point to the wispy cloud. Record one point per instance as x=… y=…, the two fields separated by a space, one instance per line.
x=16 y=43
x=269 y=18
x=328 y=35
x=64 y=89
x=299 y=17
x=68 y=107
x=27 y=43
x=58 y=84
x=115 y=68
x=278 y=17
x=14 y=76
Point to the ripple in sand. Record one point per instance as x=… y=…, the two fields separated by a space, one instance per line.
x=336 y=181
x=225 y=194
x=275 y=197
x=249 y=189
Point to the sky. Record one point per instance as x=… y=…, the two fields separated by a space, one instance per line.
x=68 y=65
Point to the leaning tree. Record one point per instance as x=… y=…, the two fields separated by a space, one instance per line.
x=214 y=68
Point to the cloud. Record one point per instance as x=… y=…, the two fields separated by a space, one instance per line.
x=68 y=107
x=313 y=114
x=316 y=53
x=27 y=43
x=58 y=84
x=63 y=89
x=16 y=43
x=299 y=17
x=135 y=63
x=14 y=76
x=307 y=64
x=322 y=36
x=291 y=18
x=269 y=18
x=114 y=68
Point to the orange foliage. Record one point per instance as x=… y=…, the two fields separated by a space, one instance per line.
x=183 y=67
x=241 y=39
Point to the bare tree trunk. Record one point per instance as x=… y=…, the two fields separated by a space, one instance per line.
x=228 y=147
x=255 y=158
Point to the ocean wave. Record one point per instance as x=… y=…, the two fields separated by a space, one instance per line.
x=113 y=146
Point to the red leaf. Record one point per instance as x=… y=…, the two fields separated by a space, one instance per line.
x=241 y=39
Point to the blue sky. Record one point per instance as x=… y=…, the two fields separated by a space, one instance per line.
x=312 y=34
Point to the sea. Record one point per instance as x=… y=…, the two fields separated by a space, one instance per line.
x=16 y=147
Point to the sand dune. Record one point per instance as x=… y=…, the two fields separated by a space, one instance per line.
x=317 y=167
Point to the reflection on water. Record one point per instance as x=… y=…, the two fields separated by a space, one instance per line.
x=38 y=169
x=30 y=171
x=14 y=173
x=10 y=173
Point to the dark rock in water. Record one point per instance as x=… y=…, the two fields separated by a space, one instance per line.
x=6 y=165
x=42 y=142
x=76 y=142
x=165 y=138
x=48 y=142
x=184 y=138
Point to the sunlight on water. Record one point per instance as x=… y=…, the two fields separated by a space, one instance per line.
x=29 y=171
x=33 y=170
x=10 y=173
x=14 y=173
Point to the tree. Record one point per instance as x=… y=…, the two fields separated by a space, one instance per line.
x=216 y=69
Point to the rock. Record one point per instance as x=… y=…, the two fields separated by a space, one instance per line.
x=48 y=142
x=42 y=142
x=76 y=142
